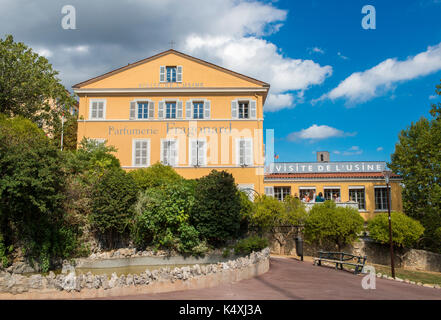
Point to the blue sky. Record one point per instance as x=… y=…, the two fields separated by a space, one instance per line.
x=403 y=29
x=334 y=86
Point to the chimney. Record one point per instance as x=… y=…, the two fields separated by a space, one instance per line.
x=323 y=156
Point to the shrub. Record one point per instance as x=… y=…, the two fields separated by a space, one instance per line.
x=113 y=198
x=162 y=218
x=155 y=176
x=248 y=245
x=327 y=224
x=216 y=213
x=32 y=185
x=405 y=230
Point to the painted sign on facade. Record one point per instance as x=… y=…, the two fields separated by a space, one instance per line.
x=323 y=167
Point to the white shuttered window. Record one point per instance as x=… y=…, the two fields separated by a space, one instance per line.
x=198 y=152
x=244 y=152
x=141 y=152
x=169 y=152
x=97 y=109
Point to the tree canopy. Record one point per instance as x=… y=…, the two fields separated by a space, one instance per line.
x=417 y=158
x=29 y=86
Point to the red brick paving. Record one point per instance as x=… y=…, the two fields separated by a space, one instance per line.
x=290 y=279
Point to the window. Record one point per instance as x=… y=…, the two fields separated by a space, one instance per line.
x=381 y=198
x=143 y=110
x=244 y=152
x=269 y=191
x=198 y=110
x=280 y=193
x=198 y=152
x=141 y=152
x=169 y=152
x=171 y=74
x=306 y=192
x=243 y=110
x=97 y=109
x=332 y=194
x=170 y=112
x=248 y=189
x=358 y=195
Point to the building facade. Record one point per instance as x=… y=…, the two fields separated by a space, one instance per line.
x=361 y=182
x=195 y=116
x=181 y=111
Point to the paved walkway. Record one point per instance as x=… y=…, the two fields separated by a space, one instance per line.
x=291 y=279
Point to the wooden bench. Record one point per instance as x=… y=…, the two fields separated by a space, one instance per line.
x=341 y=258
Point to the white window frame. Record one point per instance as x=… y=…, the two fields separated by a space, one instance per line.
x=190 y=152
x=238 y=152
x=250 y=101
x=358 y=188
x=91 y=101
x=331 y=188
x=134 y=153
x=148 y=101
x=176 y=141
x=375 y=200
x=242 y=186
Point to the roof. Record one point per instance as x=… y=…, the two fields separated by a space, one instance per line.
x=132 y=65
x=338 y=175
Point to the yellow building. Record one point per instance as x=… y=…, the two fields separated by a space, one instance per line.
x=362 y=182
x=180 y=110
x=196 y=117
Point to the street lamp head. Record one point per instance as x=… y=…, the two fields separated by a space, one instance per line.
x=386 y=175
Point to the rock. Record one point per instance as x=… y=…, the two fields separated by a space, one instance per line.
x=406 y=280
x=437 y=286
x=412 y=282
x=196 y=270
x=122 y=280
x=129 y=280
x=379 y=275
x=428 y=285
x=36 y=281
x=419 y=283
x=398 y=279
x=70 y=283
x=113 y=282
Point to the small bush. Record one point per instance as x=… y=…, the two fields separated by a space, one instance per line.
x=327 y=224
x=248 y=245
x=216 y=213
x=405 y=230
x=113 y=199
x=157 y=175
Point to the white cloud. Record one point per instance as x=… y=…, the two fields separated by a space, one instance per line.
x=434 y=96
x=362 y=86
x=44 y=52
x=336 y=152
x=316 y=132
x=316 y=50
x=354 y=150
x=380 y=149
x=262 y=60
x=342 y=56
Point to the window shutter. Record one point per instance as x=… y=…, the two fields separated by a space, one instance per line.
x=161 y=110
x=188 y=107
x=248 y=153
x=179 y=111
x=100 y=110
x=207 y=109
x=234 y=109
x=173 y=153
x=194 y=153
x=151 y=110
x=93 y=113
x=144 y=152
x=132 y=110
x=179 y=74
x=201 y=153
x=162 y=74
x=269 y=191
x=163 y=151
x=253 y=112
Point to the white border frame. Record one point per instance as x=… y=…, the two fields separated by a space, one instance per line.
x=190 y=140
x=162 y=149
x=237 y=155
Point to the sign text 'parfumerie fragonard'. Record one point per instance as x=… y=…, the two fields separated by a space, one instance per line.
x=320 y=167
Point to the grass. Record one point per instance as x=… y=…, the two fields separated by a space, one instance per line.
x=417 y=276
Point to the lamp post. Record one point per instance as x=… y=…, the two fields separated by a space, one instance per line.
x=387 y=175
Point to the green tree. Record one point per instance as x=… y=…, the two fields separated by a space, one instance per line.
x=162 y=218
x=405 y=230
x=32 y=184
x=29 y=86
x=417 y=159
x=69 y=129
x=216 y=213
x=155 y=176
x=113 y=198
x=327 y=224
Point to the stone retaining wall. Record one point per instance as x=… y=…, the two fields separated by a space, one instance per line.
x=70 y=286
x=376 y=253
